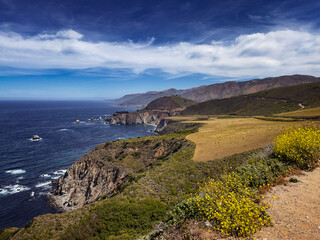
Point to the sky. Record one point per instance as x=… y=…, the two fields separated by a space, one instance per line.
x=89 y=49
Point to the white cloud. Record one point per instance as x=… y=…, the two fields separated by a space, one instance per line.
x=259 y=54
x=68 y=34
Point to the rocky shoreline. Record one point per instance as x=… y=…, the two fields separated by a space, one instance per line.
x=103 y=172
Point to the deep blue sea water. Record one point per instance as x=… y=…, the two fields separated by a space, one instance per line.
x=27 y=168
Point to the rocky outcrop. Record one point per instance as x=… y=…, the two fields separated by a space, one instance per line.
x=162 y=124
x=153 y=113
x=139 y=117
x=103 y=171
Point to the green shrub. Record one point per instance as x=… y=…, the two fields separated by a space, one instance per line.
x=118 y=220
x=299 y=145
x=136 y=154
x=262 y=172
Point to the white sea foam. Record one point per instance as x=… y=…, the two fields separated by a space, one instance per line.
x=55 y=177
x=120 y=138
x=16 y=171
x=34 y=140
x=12 y=189
x=60 y=172
x=43 y=184
x=45 y=175
x=63 y=129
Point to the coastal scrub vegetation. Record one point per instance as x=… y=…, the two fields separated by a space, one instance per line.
x=231 y=204
x=299 y=145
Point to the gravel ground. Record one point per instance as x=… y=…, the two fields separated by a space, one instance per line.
x=295 y=209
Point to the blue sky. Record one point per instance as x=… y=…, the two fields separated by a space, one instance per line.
x=80 y=49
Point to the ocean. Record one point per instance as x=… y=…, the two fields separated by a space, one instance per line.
x=27 y=168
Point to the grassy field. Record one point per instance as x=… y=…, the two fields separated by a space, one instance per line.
x=219 y=138
x=304 y=113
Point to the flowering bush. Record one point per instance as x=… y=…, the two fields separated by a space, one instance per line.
x=300 y=145
x=229 y=205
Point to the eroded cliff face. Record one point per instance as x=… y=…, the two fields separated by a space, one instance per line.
x=140 y=117
x=103 y=171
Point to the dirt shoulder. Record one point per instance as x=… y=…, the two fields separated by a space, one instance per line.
x=295 y=210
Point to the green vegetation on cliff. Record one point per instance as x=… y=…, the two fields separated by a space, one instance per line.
x=266 y=103
x=169 y=103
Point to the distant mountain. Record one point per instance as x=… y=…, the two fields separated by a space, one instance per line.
x=143 y=99
x=216 y=91
x=266 y=103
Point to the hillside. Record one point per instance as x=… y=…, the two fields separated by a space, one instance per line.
x=217 y=91
x=170 y=103
x=268 y=102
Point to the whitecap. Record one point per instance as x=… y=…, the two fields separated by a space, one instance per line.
x=43 y=184
x=34 y=140
x=121 y=138
x=63 y=129
x=55 y=177
x=60 y=172
x=16 y=171
x=12 y=189
x=45 y=175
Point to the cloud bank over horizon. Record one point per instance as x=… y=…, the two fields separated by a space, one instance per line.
x=274 y=53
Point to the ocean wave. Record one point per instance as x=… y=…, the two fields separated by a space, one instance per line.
x=43 y=184
x=45 y=175
x=16 y=171
x=63 y=129
x=12 y=189
x=60 y=172
x=34 y=140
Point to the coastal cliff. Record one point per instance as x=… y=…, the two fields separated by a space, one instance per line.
x=153 y=113
x=139 y=117
x=103 y=171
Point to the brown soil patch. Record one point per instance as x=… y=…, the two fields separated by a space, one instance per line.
x=224 y=137
x=295 y=211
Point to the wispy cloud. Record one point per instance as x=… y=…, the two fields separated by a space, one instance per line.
x=260 y=54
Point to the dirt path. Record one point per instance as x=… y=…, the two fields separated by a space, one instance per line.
x=295 y=211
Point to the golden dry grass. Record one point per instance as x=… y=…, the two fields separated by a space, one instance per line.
x=223 y=137
x=312 y=112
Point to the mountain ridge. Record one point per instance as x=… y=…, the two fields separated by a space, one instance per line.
x=216 y=91
x=268 y=102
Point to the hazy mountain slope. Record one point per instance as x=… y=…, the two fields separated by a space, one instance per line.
x=217 y=91
x=142 y=99
x=267 y=102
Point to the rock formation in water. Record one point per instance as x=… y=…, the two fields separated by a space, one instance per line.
x=153 y=112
